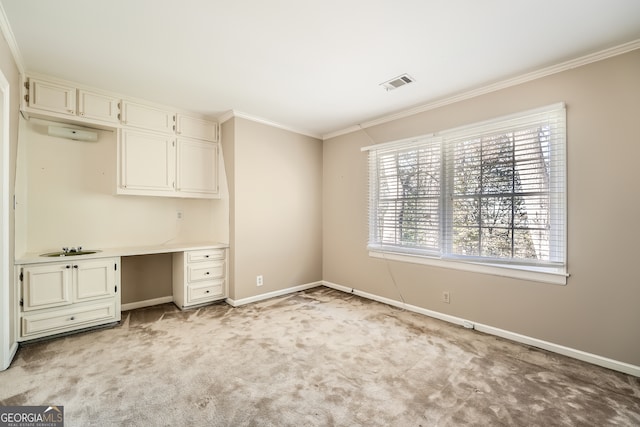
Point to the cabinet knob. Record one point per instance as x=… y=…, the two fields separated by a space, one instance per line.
x=75 y=266
x=206 y=256
x=72 y=318
x=67 y=266
x=207 y=273
x=206 y=292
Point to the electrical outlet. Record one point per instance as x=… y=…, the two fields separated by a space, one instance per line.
x=446 y=297
x=179 y=214
x=259 y=281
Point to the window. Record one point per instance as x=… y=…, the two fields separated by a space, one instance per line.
x=489 y=194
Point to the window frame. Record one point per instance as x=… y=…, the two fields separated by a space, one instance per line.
x=553 y=271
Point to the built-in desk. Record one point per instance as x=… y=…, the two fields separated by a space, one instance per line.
x=56 y=295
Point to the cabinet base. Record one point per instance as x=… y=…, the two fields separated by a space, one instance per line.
x=26 y=340
x=200 y=305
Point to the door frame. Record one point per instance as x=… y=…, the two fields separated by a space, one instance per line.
x=7 y=348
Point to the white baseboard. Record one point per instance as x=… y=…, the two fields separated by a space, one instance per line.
x=146 y=303
x=605 y=362
x=243 y=301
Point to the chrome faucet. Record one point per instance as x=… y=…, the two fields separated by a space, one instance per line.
x=71 y=250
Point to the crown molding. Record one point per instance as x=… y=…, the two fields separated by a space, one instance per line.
x=7 y=32
x=524 y=78
x=235 y=113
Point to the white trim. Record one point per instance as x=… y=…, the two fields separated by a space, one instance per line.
x=261 y=297
x=501 y=122
x=234 y=113
x=535 y=274
x=7 y=350
x=524 y=78
x=10 y=38
x=594 y=359
x=226 y=116
x=146 y=303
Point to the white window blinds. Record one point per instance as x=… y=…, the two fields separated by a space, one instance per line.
x=491 y=192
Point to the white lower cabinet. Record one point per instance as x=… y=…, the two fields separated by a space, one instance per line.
x=199 y=277
x=65 y=296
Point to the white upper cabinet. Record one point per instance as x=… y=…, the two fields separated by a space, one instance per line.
x=160 y=153
x=53 y=97
x=190 y=127
x=96 y=106
x=147 y=117
x=197 y=168
x=146 y=163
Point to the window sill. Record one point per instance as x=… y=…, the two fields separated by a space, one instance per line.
x=536 y=274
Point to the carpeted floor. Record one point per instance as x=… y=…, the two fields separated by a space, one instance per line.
x=314 y=358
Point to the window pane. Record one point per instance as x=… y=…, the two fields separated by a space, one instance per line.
x=466 y=241
x=496 y=242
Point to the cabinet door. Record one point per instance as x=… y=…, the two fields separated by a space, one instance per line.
x=46 y=286
x=197 y=167
x=98 y=107
x=94 y=279
x=190 y=127
x=147 y=117
x=52 y=97
x=147 y=161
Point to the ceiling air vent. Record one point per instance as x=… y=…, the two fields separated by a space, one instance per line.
x=396 y=82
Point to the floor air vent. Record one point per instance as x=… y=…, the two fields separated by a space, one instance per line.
x=397 y=82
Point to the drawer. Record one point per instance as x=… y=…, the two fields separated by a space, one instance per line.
x=205 y=291
x=69 y=319
x=205 y=271
x=205 y=255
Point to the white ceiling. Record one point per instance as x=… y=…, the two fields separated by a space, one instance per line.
x=312 y=66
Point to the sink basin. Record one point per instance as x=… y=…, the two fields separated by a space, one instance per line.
x=65 y=254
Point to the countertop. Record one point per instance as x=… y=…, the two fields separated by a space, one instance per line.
x=32 y=258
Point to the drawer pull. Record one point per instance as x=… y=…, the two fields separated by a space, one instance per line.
x=206 y=256
x=207 y=273
x=207 y=291
x=72 y=318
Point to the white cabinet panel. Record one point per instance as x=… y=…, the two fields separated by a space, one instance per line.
x=197 y=167
x=147 y=161
x=98 y=107
x=203 y=292
x=94 y=279
x=75 y=317
x=147 y=117
x=205 y=255
x=205 y=271
x=190 y=127
x=46 y=286
x=52 y=97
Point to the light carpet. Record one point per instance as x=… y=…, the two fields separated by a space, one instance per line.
x=315 y=358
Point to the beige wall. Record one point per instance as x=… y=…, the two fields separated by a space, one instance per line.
x=597 y=311
x=146 y=277
x=276 y=207
x=11 y=73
